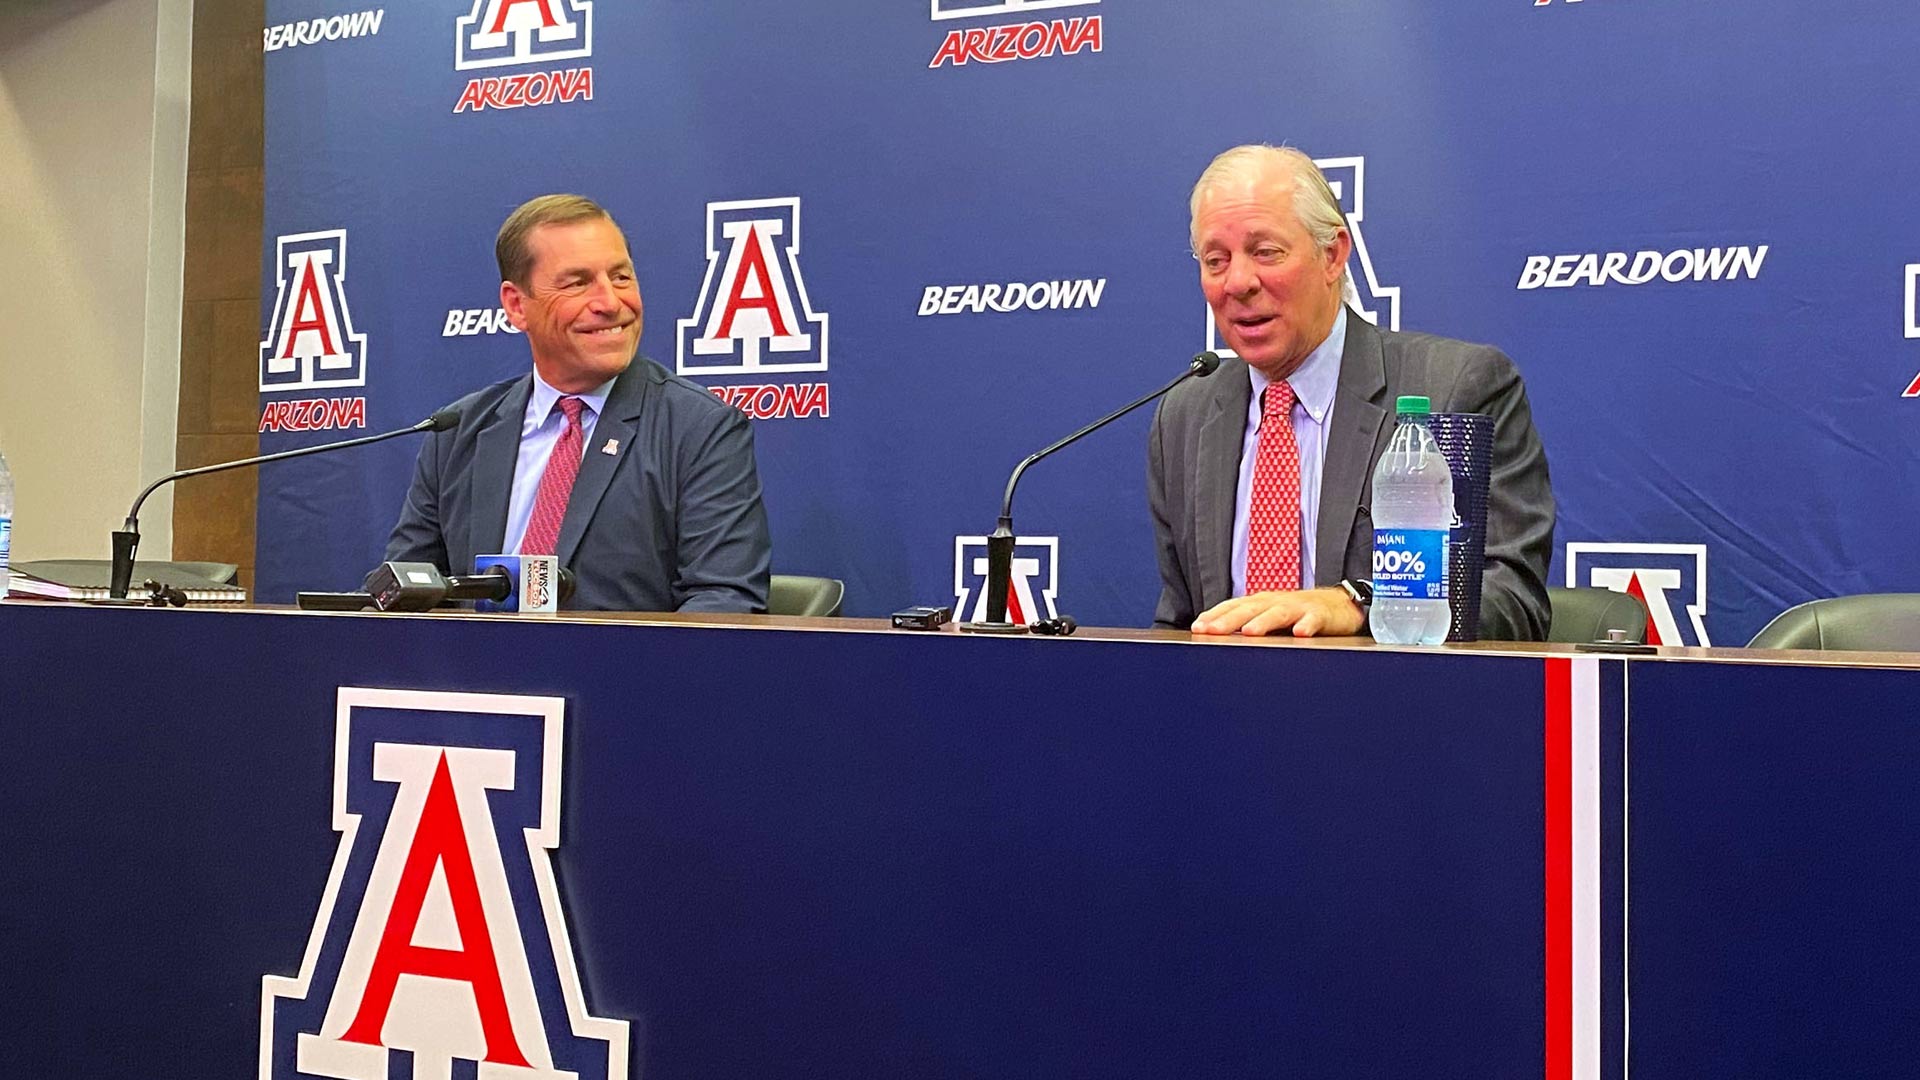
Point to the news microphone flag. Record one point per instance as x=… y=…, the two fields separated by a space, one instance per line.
x=535 y=580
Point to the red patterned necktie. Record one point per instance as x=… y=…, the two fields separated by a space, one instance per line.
x=1273 y=513
x=556 y=484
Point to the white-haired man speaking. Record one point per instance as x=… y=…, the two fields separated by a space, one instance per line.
x=1260 y=477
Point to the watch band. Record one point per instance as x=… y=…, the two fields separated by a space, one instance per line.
x=1359 y=591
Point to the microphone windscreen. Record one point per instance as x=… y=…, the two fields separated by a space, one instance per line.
x=1205 y=364
x=444 y=419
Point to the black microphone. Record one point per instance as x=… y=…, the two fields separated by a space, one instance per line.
x=127 y=540
x=515 y=578
x=1000 y=544
x=500 y=583
x=491 y=585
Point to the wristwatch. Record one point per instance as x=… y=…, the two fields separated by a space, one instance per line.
x=1359 y=591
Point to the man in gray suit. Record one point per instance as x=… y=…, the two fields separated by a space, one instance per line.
x=1235 y=554
x=640 y=481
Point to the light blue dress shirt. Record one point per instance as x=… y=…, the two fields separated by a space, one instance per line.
x=1313 y=387
x=539 y=431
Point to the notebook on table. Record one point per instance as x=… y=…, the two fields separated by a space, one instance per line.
x=91 y=579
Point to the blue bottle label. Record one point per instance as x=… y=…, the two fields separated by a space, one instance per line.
x=1409 y=564
x=6 y=540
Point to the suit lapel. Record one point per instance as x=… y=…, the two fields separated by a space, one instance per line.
x=1222 y=434
x=615 y=427
x=496 y=452
x=1359 y=412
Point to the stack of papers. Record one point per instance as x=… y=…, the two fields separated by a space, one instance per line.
x=91 y=579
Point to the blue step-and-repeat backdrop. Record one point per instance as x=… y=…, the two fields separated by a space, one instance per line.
x=917 y=240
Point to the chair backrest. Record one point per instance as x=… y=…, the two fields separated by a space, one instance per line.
x=1587 y=614
x=790 y=594
x=1870 y=622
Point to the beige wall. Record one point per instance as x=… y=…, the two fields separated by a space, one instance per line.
x=93 y=141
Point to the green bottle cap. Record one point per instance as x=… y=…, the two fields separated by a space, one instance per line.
x=1415 y=404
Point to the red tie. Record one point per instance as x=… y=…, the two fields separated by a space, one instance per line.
x=1273 y=514
x=556 y=484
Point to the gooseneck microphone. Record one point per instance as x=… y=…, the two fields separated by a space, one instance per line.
x=127 y=540
x=1000 y=543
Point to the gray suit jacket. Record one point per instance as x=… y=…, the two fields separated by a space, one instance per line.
x=672 y=521
x=1193 y=464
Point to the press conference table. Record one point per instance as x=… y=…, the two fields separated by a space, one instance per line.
x=828 y=848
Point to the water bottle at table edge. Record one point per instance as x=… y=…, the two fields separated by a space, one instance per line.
x=6 y=523
x=1412 y=515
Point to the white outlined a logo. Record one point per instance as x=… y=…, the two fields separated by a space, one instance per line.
x=502 y=33
x=1913 y=322
x=753 y=314
x=1661 y=575
x=441 y=937
x=1031 y=590
x=310 y=342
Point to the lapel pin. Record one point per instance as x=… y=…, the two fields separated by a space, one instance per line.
x=612 y=448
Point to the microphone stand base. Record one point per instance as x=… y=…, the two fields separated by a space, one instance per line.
x=993 y=628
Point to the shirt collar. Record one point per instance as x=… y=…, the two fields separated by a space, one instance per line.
x=540 y=403
x=1315 y=381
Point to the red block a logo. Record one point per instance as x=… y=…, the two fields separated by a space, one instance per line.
x=440 y=948
x=753 y=314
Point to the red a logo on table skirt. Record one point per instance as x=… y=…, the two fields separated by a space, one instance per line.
x=440 y=938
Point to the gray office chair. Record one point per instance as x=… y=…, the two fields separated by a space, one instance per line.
x=1870 y=622
x=814 y=596
x=1587 y=614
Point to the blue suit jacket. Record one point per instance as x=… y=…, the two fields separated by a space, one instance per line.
x=671 y=521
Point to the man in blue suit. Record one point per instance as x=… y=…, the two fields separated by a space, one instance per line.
x=641 y=482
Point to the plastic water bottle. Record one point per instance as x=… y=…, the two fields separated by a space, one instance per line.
x=1412 y=515
x=6 y=524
